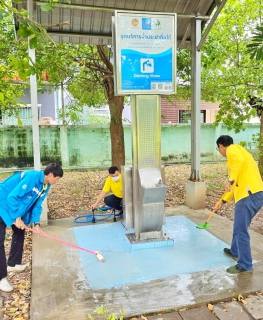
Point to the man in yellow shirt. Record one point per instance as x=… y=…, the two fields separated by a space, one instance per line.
x=112 y=184
x=246 y=186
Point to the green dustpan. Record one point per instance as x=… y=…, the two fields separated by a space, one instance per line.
x=203 y=226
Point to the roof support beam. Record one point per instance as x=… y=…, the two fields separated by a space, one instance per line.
x=80 y=35
x=210 y=24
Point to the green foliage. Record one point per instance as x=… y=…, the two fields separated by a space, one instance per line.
x=78 y=114
x=73 y=66
x=28 y=28
x=11 y=57
x=229 y=75
x=108 y=316
x=255 y=48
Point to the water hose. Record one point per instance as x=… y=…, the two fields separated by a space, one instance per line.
x=92 y=217
x=96 y=253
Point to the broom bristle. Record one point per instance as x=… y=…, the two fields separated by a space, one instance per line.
x=99 y=256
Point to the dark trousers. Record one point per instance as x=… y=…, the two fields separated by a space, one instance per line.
x=16 y=251
x=113 y=201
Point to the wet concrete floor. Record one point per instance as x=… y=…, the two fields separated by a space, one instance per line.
x=61 y=288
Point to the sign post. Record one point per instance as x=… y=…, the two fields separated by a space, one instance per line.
x=145 y=68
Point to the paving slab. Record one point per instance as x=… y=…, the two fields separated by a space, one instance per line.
x=166 y=316
x=197 y=313
x=60 y=289
x=231 y=311
x=254 y=306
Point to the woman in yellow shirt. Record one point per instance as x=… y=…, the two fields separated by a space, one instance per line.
x=245 y=186
x=112 y=184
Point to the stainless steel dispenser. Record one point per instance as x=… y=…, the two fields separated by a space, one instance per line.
x=144 y=182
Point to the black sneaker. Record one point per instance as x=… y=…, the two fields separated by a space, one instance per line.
x=228 y=252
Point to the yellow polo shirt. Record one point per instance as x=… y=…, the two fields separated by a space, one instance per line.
x=114 y=186
x=243 y=169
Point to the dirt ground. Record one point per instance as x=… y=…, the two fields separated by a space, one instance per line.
x=76 y=191
x=73 y=196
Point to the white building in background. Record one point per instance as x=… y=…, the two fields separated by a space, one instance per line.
x=50 y=106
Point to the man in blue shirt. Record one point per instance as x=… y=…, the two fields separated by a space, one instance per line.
x=21 y=198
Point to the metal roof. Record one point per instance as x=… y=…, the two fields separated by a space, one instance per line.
x=90 y=21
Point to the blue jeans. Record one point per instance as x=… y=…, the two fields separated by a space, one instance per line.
x=245 y=210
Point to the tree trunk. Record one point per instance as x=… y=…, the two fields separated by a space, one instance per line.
x=116 y=107
x=260 y=161
x=116 y=127
x=116 y=132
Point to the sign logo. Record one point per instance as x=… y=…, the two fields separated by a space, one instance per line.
x=146 y=23
x=135 y=22
x=147 y=65
x=157 y=24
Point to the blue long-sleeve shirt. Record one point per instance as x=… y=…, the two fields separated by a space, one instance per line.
x=21 y=196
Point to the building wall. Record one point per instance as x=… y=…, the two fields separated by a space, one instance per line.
x=47 y=101
x=86 y=146
x=170 y=110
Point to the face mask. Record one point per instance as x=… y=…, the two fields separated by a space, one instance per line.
x=115 y=178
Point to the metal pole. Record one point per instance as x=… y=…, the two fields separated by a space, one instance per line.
x=135 y=179
x=34 y=106
x=195 y=100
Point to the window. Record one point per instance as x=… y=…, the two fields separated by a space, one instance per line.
x=24 y=114
x=203 y=116
x=185 y=116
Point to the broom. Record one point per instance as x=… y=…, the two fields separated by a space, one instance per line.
x=206 y=225
x=96 y=253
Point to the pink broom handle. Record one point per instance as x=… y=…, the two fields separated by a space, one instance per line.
x=62 y=241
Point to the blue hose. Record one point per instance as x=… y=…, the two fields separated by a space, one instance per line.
x=89 y=217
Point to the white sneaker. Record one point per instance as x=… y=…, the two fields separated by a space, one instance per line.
x=5 y=285
x=17 y=268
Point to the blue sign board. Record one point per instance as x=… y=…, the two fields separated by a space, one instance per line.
x=145 y=56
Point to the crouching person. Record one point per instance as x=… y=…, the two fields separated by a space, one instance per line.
x=21 y=197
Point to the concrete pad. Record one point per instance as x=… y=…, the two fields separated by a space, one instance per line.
x=60 y=289
x=197 y=313
x=231 y=311
x=192 y=250
x=254 y=306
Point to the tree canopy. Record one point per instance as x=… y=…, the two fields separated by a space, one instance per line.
x=229 y=75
